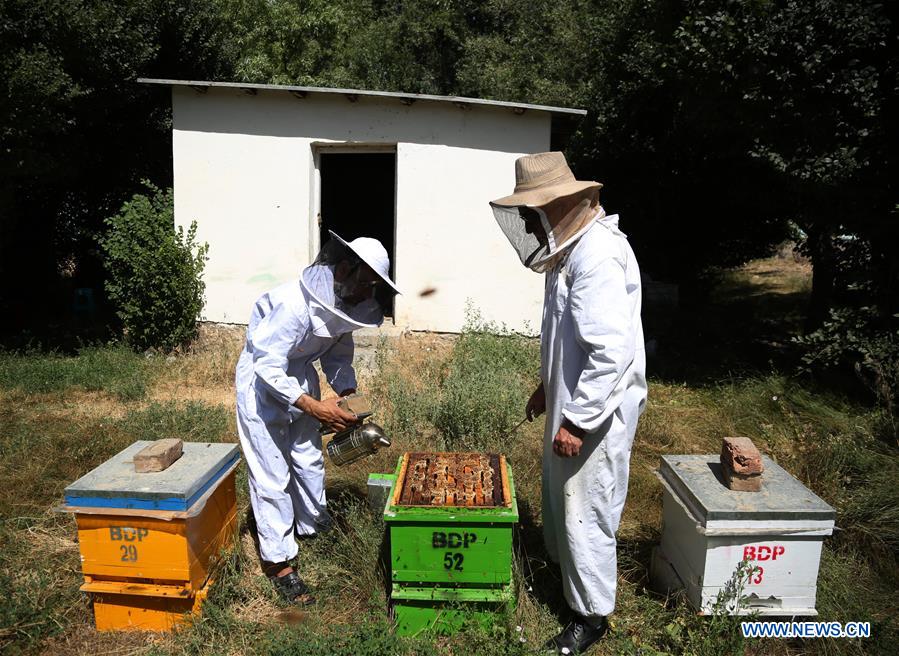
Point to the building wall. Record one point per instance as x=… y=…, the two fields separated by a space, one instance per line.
x=244 y=169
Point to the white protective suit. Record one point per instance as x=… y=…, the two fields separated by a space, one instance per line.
x=291 y=327
x=593 y=367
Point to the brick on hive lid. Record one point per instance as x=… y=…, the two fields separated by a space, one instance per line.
x=158 y=456
x=742 y=464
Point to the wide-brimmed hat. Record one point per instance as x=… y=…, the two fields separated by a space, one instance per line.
x=541 y=178
x=373 y=253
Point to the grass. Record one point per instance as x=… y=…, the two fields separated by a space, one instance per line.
x=59 y=417
x=115 y=370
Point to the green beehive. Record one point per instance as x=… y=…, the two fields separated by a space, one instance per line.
x=450 y=519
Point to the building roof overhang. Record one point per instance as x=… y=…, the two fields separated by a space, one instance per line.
x=202 y=86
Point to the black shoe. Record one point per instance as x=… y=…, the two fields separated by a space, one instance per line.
x=292 y=589
x=577 y=637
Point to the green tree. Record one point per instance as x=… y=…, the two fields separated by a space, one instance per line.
x=389 y=45
x=813 y=86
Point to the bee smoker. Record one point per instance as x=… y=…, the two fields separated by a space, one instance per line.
x=359 y=441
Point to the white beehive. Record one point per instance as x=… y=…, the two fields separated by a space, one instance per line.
x=709 y=529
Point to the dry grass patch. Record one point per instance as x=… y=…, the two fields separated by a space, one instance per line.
x=205 y=372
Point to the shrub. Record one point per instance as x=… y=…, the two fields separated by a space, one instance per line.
x=406 y=401
x=468 y=401
x=154 y=271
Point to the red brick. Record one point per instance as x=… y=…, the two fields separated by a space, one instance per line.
x=742 y=482
x=739 y=455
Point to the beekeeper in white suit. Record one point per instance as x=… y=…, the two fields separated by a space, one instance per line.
x=593 y=387
x=279 y=411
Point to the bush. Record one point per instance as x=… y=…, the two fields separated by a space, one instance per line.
x=466 y=401
x=154 y=271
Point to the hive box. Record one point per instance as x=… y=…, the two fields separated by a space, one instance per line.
x=121 y=606
x=708 y=530
x=148 y=540
x=450 y=564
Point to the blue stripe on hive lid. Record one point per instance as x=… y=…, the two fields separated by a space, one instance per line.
x=115 y=484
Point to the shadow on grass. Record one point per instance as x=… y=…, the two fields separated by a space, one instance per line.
x=742 y=323
x=542 y=577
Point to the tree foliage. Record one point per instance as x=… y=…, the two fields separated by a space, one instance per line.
x=814 y=84
x=715 y=125
x=79 y=133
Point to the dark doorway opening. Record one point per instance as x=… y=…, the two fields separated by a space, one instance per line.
x=358 y=198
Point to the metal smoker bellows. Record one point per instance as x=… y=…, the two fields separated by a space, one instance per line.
x=355 y=443
x=359 y=440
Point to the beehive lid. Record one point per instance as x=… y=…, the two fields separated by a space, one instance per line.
x=698 y=481
x=115 y=484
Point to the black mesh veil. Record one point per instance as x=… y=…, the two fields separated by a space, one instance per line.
x=339 y=278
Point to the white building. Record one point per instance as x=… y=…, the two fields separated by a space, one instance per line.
x=266 y=170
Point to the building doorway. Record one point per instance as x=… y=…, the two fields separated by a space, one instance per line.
x=358 y=198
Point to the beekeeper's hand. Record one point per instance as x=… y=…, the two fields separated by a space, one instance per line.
x=327 y=412
x=567 y=442
x=536 y=404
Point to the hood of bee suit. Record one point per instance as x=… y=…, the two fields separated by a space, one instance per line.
x=548 y=211
x=541 y=234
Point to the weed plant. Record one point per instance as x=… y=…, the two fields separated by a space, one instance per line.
x=489 y=378
x=470 y=400
x=680 y=630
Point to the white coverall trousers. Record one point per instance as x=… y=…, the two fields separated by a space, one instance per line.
x=286 y=476
x=593 y=370
x=282 y=446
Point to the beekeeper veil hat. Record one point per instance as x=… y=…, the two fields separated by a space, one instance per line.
x=348 y=285
x=548 y=211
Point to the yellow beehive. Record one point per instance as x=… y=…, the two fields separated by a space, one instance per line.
x=148 y=540
x=122 y=606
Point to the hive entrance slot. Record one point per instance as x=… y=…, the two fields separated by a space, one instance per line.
x=452 y=479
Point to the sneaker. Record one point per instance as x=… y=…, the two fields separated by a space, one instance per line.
x=577 y=637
